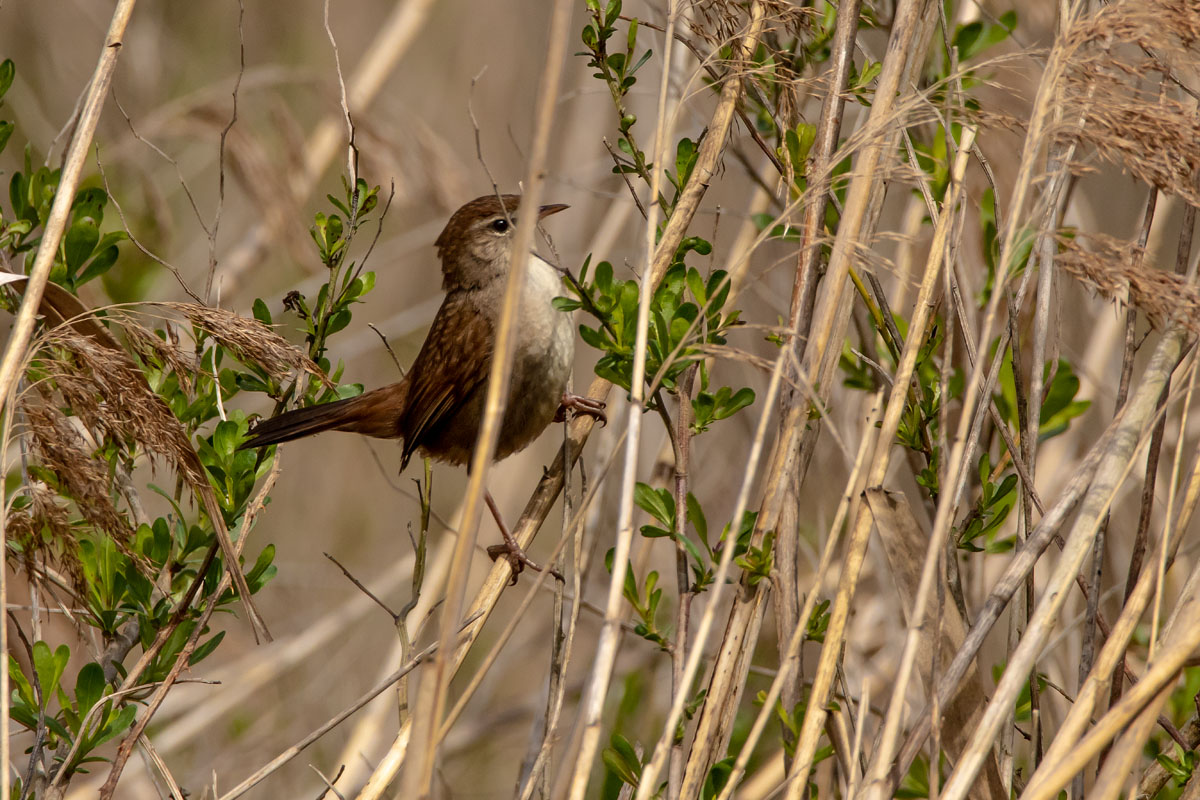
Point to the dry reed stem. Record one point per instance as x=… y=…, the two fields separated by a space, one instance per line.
x=431 y=700
x=1111 y=655
x=896 y=403
x=1155 y=776
x=726 y=683
x=287 y=755
x=1114 y=462
x=573 y=527
x=857 y=540
x=6 y=428
x=790 y=660
x=147 y=749
x=539 y=770
x=1042 y=107
x=1108 y=662
x=250 y=674
x=1179 y=642
x=862 y=194
x=1130 y=746
x=651 y=770
x=608 y=640
x=497 y=580
x=1013 y=578
x=22 y=332
x=903 y=538
x=1176 y=472
x=804 y=287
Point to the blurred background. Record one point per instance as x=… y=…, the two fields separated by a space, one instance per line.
x=159 y=148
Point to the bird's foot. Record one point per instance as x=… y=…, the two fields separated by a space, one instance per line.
x=574 y=404
x=511 y=550
x=517 y=560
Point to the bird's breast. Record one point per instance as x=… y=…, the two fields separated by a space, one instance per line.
x=543 y=332
x=543 y=359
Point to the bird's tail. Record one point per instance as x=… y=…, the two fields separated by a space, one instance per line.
x=375 y=413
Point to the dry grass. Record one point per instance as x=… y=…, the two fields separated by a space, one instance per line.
x=534 y=680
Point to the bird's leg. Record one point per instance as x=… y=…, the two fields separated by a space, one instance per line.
x=511 y=551
x=575 y=404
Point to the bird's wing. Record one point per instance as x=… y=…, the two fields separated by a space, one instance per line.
x=452 y=364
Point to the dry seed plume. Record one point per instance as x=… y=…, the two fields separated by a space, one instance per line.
x=1113 y=268
x=40 y=524
x=62 y=450
x=106 y=391
x=249 y=340
x=1109 y=105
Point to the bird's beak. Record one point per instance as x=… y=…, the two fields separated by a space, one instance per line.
x=545 y=211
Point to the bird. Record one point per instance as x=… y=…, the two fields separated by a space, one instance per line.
x=437 y=408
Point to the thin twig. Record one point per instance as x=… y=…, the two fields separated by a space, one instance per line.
x=395 y=616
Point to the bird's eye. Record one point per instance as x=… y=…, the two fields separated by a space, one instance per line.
x=500 y=225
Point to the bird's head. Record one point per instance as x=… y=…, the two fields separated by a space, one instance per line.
x=476 y=244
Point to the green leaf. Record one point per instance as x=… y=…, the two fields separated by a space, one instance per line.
x=368 y=283
x=593 y=338
x=604 y=278
x=50 y=667
x=696 y=286
x=718 y=776
x=7 y=72
x=589 y=37
x=6 y=130
x=870 y=71
x=90 y=202
x=79 y=243
x=338 y=321
x=718 y=290
x=685 y=159
x=966 y=37
x=115 y=726
x=728 y=405
x=695 y=515
x=99 y=265
x=205 y=650
x=24 y=689
x=263 y=569
x=658 y=503
x=611 y=13
x=226 y=438
x=645 y=56
x=89 y=687
x=1060 y=405
x=622 y=759
x=261 y=312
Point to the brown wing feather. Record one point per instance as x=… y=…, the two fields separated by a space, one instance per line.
x=452 y=364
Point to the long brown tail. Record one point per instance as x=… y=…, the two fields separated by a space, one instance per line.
x=376 y=413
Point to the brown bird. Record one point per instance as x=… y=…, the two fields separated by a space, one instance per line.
x=438 y=406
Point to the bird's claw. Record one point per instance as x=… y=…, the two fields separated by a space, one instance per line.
x=518 y=561
x=574 y=404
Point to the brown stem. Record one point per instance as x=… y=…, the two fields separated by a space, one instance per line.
x=682 y=444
